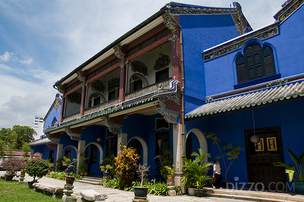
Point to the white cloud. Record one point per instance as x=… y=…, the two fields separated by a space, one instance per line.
x=6 y=56
x=28 y=61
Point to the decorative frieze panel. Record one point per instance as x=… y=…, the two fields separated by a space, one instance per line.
x=139 y=66
x=265 y=34
x=113 y=128
x=162 y=62
x=74 y=97
x=146 y=90
x=73 y=136
x=113 y=84
x=98 y=85
x=290 y=10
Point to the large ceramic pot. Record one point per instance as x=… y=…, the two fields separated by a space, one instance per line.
x=299 y=187
x=141 y=192
x=9 y=177
x=30 y=184
x=199 y=192
x=170 y=179
x=69 y=180
x=191 y=191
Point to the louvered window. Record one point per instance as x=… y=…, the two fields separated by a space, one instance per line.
x=257 y=62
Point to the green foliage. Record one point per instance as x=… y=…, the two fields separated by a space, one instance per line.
x=126 y=165
x=232 y=152
x=25 y=148
x=37 y=168
x=13 y=191
x=195 y=172
x=2 y=148
x=109 y=160
x=294 y=172
x=111 y=183
x=61 y=175
x=83 y=168
x=59 y=165
x=15 y=138
x=166 y=167
x=156 y=188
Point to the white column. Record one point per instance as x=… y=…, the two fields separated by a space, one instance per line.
x=81 y=147
x=177 y=153
x=59 y=152
x=121 y=138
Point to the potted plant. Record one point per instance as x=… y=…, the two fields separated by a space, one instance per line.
x=232 y=153
x=188 y=178
x=11 y=166
x=68 y=164
x=126 y=165
x=141 y=192
x=109 y=161
x=106 y=170
x=295 y=172
x=200 y=171
x=37 y=168
x=166 y=164
x=83 y=168
x=170 y=175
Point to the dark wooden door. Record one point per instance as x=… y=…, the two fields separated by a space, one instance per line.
x=260 y=157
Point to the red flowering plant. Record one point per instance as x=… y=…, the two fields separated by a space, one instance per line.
x=126 y=165
x=12 y=166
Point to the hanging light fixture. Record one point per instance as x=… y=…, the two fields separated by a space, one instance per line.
x=254 y=138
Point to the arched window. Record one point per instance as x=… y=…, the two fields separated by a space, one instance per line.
x=257 y=62
x=137 y=82
x=95 y=99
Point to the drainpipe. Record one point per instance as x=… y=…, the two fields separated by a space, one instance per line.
x=182 y=94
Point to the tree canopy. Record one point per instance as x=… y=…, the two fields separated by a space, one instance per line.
x=14 y=139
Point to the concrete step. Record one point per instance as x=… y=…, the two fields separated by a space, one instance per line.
x=90 y=180
x=253 y=195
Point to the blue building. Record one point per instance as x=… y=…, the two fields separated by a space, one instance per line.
x=185 y=71
x=253 y=92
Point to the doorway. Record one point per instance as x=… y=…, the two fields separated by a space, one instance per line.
x=260 y=157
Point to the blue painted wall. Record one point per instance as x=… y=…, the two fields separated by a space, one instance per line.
x=220 y=74
x=230 y=129
x=200 y=33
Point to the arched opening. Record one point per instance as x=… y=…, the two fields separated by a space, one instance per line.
x=136 y=141
x=95 y=99
x=137 y=82
x=194 y=134
x=94 y=158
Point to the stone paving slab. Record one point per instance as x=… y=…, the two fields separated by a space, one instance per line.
x=115 y=195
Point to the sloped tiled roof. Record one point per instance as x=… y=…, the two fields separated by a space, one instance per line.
x=250 y=99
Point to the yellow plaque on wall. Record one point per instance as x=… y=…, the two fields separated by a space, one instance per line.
x=272 y=144
x=260 y=145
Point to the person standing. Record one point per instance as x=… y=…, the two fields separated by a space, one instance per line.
x=217 y=174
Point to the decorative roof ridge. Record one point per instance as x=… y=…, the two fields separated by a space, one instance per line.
x=177 y=5
x=237 y=42
x=270 y=94
x=288 y=8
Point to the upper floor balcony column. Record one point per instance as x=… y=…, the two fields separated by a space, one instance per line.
x=172 y=24
x=82 y=78
x=120 y=53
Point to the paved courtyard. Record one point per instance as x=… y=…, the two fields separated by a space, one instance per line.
x=115 y=195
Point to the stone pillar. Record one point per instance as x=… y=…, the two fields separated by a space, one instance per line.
x=59 y=152
x=177 y=153
x=121 y=138
x=32 y=154
x=81 y=148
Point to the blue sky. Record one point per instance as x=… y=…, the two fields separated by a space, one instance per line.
x=41 y=41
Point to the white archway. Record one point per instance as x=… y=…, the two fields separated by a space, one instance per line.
x=145 y=148
x=72 y=147
x=201 y=139
x=100 y=150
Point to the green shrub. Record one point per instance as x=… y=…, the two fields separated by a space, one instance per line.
x=61 y=175
x=37 y=168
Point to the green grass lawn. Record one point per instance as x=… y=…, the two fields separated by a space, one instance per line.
x=11 y=191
